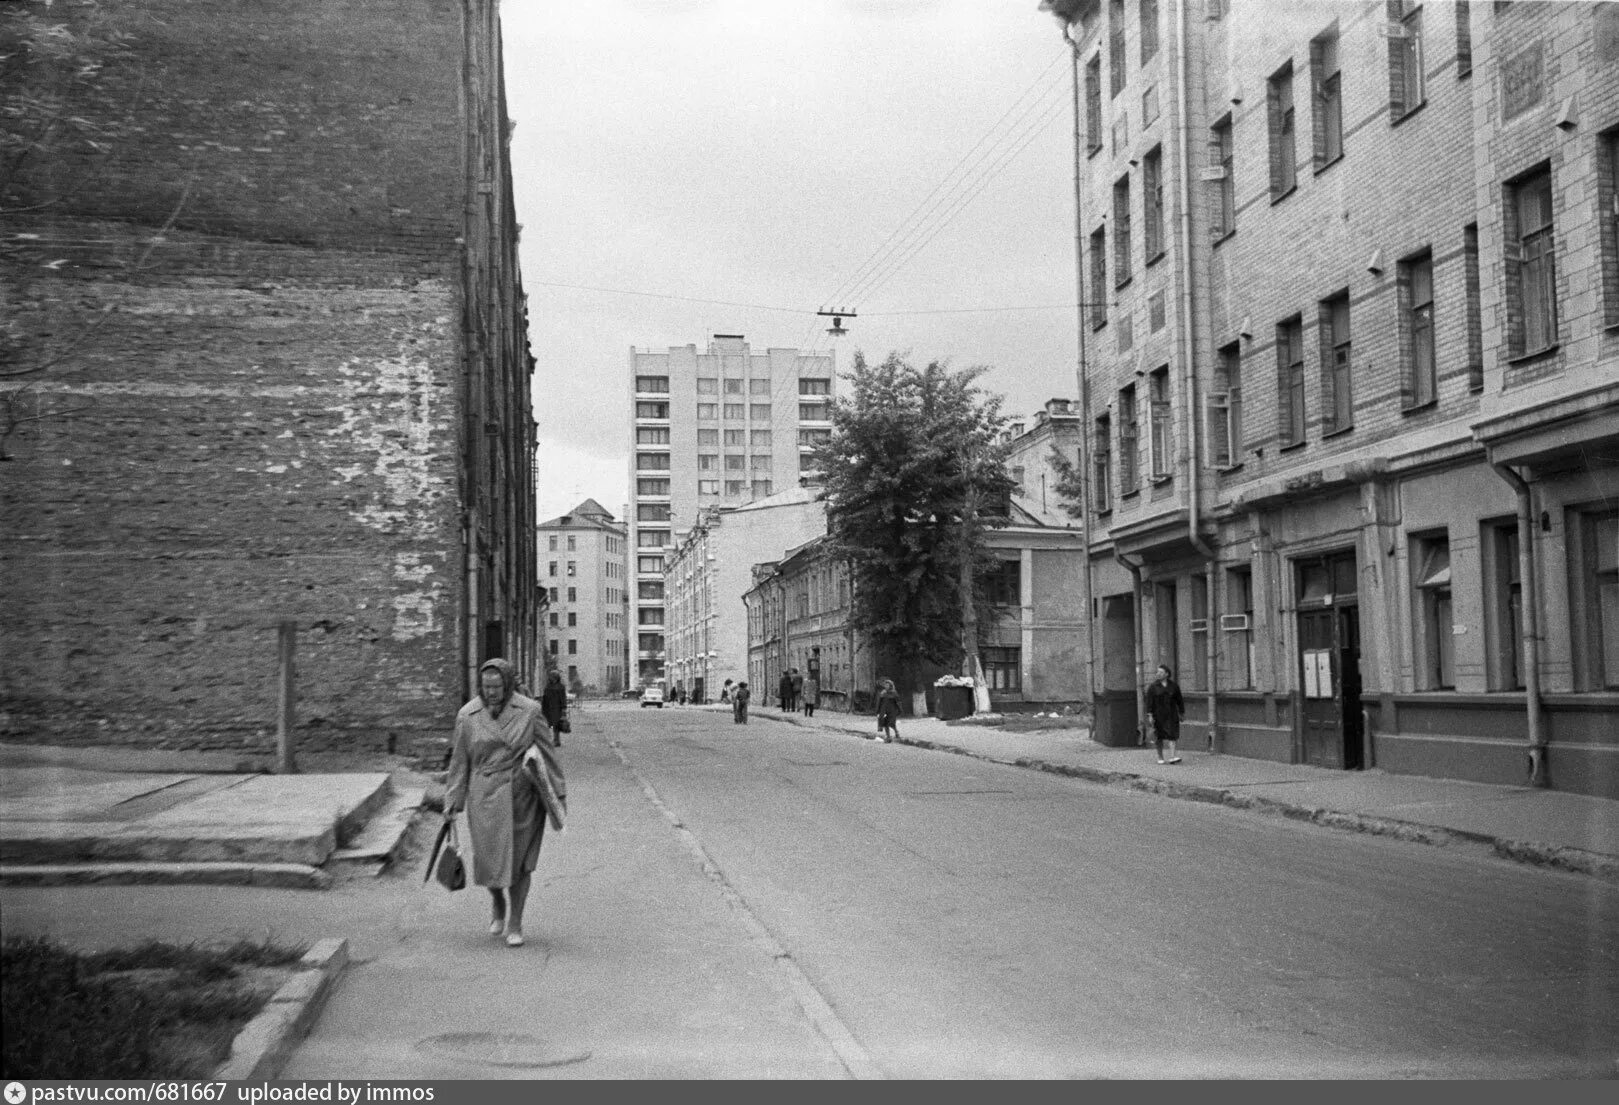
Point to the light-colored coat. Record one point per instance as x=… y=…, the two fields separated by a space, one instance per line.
x=504 y=813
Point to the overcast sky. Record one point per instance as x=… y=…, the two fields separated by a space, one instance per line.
x=762 y=153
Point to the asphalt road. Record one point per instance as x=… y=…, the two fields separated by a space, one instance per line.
x=774 y=902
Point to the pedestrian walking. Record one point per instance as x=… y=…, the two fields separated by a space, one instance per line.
x=554 y=705
x=739 y=704
x=887 y=711
x=812 y=695
x=798 y=688
x=494 y=733
x=725 y=692
x=1165 y=708
x=784 y=690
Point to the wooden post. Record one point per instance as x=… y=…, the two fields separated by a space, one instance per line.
x=286 y=699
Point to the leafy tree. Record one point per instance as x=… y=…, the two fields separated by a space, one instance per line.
x=914 y=475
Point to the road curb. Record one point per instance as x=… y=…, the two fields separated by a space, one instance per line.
x=295 y=876
x=264 y=1044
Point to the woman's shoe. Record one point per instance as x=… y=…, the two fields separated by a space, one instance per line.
x=514 y=939
x=497 y=926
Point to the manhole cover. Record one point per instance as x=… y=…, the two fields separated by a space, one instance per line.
x=500 y=1049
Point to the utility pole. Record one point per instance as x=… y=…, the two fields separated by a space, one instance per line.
x=973 y=667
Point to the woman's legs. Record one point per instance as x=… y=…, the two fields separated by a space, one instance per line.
x=514 y=916
x=497 y=910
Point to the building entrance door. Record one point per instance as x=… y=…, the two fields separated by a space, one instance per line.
x=1329 y=660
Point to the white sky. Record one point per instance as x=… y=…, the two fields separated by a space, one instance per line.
x=760 y=153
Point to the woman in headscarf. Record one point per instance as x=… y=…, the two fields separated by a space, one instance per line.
x=505 y=815
x=887 y=711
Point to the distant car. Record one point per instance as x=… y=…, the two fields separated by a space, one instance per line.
x=652 y=696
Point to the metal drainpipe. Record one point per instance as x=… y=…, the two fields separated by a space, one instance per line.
x=1531 y=625
x=1188 y=346
x=1136 y=645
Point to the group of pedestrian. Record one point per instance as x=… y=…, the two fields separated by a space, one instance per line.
x=798 y=692
x=739 y=703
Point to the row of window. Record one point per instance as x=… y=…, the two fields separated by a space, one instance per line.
x=573 y=542
x=1128 y=409
x=712 y=385
x=732 y=412
x=757 y=489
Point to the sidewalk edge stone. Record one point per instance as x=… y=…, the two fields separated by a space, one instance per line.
x=264 y=1044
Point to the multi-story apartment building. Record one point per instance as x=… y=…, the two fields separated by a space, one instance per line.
x=799 y=616
x=584 y=565
x=708 y=572
x=711 y=429
x=1350 y=368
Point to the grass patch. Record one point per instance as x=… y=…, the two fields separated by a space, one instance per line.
x=152 y=1011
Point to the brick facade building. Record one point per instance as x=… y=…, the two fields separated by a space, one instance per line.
x=1351 y=279
x=265 y=360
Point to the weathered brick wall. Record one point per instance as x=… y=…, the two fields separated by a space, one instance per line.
x=256 y=415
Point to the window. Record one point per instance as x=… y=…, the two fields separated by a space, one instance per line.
x=1115 y=46
x=1199 y=627
x=1503 y=605
x=1238 y=627
x=1159 y=451
x=649 y=589
x=1149 y=106
x=1475 y=310
x=1279 y=111
x=1102 y=465
x=736 y=437
x=1121 y=232
x=1129 y=448
x=1595 y=550
x=553 y=647
x=552 y=620
x=759 y=437
x=1420 y=385
x=735 y=462
x=1126 y=329
x=573 y=594
x=1098 y=278
x=573 y=674
x=736 y=412
x=708 y=437
x=1093 y=104
x=812 y=412
x=652 y=410
x=1224 y=189
x=1531 y=277
x=733 y=387
x=551 y=568
x=708 y=487
x=1149 y=30
x=1464 y=39
x=1225 y=408
x=1155 y=312
x=654 y=385
x=1290 y=380
x=708 y=412
x=573 y=543
x=573 y=567
x=761 y=489
x=573 y=618
x=553 y=594
x=651 y=538
x=1327 y=104
x=758 y=387
x=736 y=487
x=649 y=615
x=1337 y=393
x=1003 y=668
x=708 y=385
x=1435 y=645
x=652 y=512
x=652 y=461
x=1152 y=200
x=652 y=435
x=648 y=564
x=1003 y=585
x=650 y=487
x=814 y=387
x=1607 y=211
x=553 y=543
x=814 y=437
x=708 y=462
x=759 y=412
x=1405 y=58
x=759 y=463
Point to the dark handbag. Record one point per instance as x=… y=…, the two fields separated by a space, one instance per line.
x=445 y=862
x=564 y=725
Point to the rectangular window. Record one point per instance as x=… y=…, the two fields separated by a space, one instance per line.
x=708 y=487
x=1435 y=645
x=814 y=437
x=573 y=594
x=814 y=387
x=1093 y=104
x=573 y=543
x=652 y=410
x=733 y=387
x=651 y=539
x=1237 y=627
x=1337 y=393
x=646 y=642
x=1595 y=551
x=812 y=412
x=554 y=594
x=649 y=615
x=553 y=542
x=649 y=589
x=1279 y=112
x=1531 y=261
x=551 y=620
x=1290 y=380
x=708 y=462
x=1421 y=382
x=708 y=437
x=708 y=412
x=736 y=487
x=736 y=412
x=1126 y=329
x=1149 y=106
x=759 y=437
x=1225 y=408
x=647 y=564
x=573 y=618
x=1198 y=608
x=652 y=385
x=708 y=385
x=758 y=387
x=1503 y=606
x=761 y=489
x=1475 y=309
x=573 y=567
x=649 y=512
x=1003 y=668
x=736 y=437
x=1608 y=212
x=1160 y=453
x=1152 y=199
x=735 y=462
x=1002 y=586
x=1327 y=104
x=551 y=568
x=1155 y=312
x=1116 y=48
x=759 y=463
x=1224 y=188
x=652 y=462
x=1464 y=39
x=652 y=435
x=1098 y=278
x=1121 y=232
x=553 y=647
x=1149 y=30
x=759 y=412
x=1129 y=440
x=1404 y=30
x=1102 y=466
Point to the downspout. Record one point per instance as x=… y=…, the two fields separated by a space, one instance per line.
x=1531 y=626
x=1083 y=374
x=1193 y=409
x=1136 y=644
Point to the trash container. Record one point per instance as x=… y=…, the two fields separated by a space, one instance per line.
x=950 y=703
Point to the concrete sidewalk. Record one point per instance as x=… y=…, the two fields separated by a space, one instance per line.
x=1543 y=827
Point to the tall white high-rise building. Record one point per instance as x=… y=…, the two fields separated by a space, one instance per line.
x=722 y=427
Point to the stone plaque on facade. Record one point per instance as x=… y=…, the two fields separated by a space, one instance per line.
x=1523 y=82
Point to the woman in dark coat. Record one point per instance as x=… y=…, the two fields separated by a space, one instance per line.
x=887 y=711
x=1165 y=708
x=554 y=704
x=739 y=704
x=784 y=691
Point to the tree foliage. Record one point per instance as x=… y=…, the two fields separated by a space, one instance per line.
x=914 y=475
